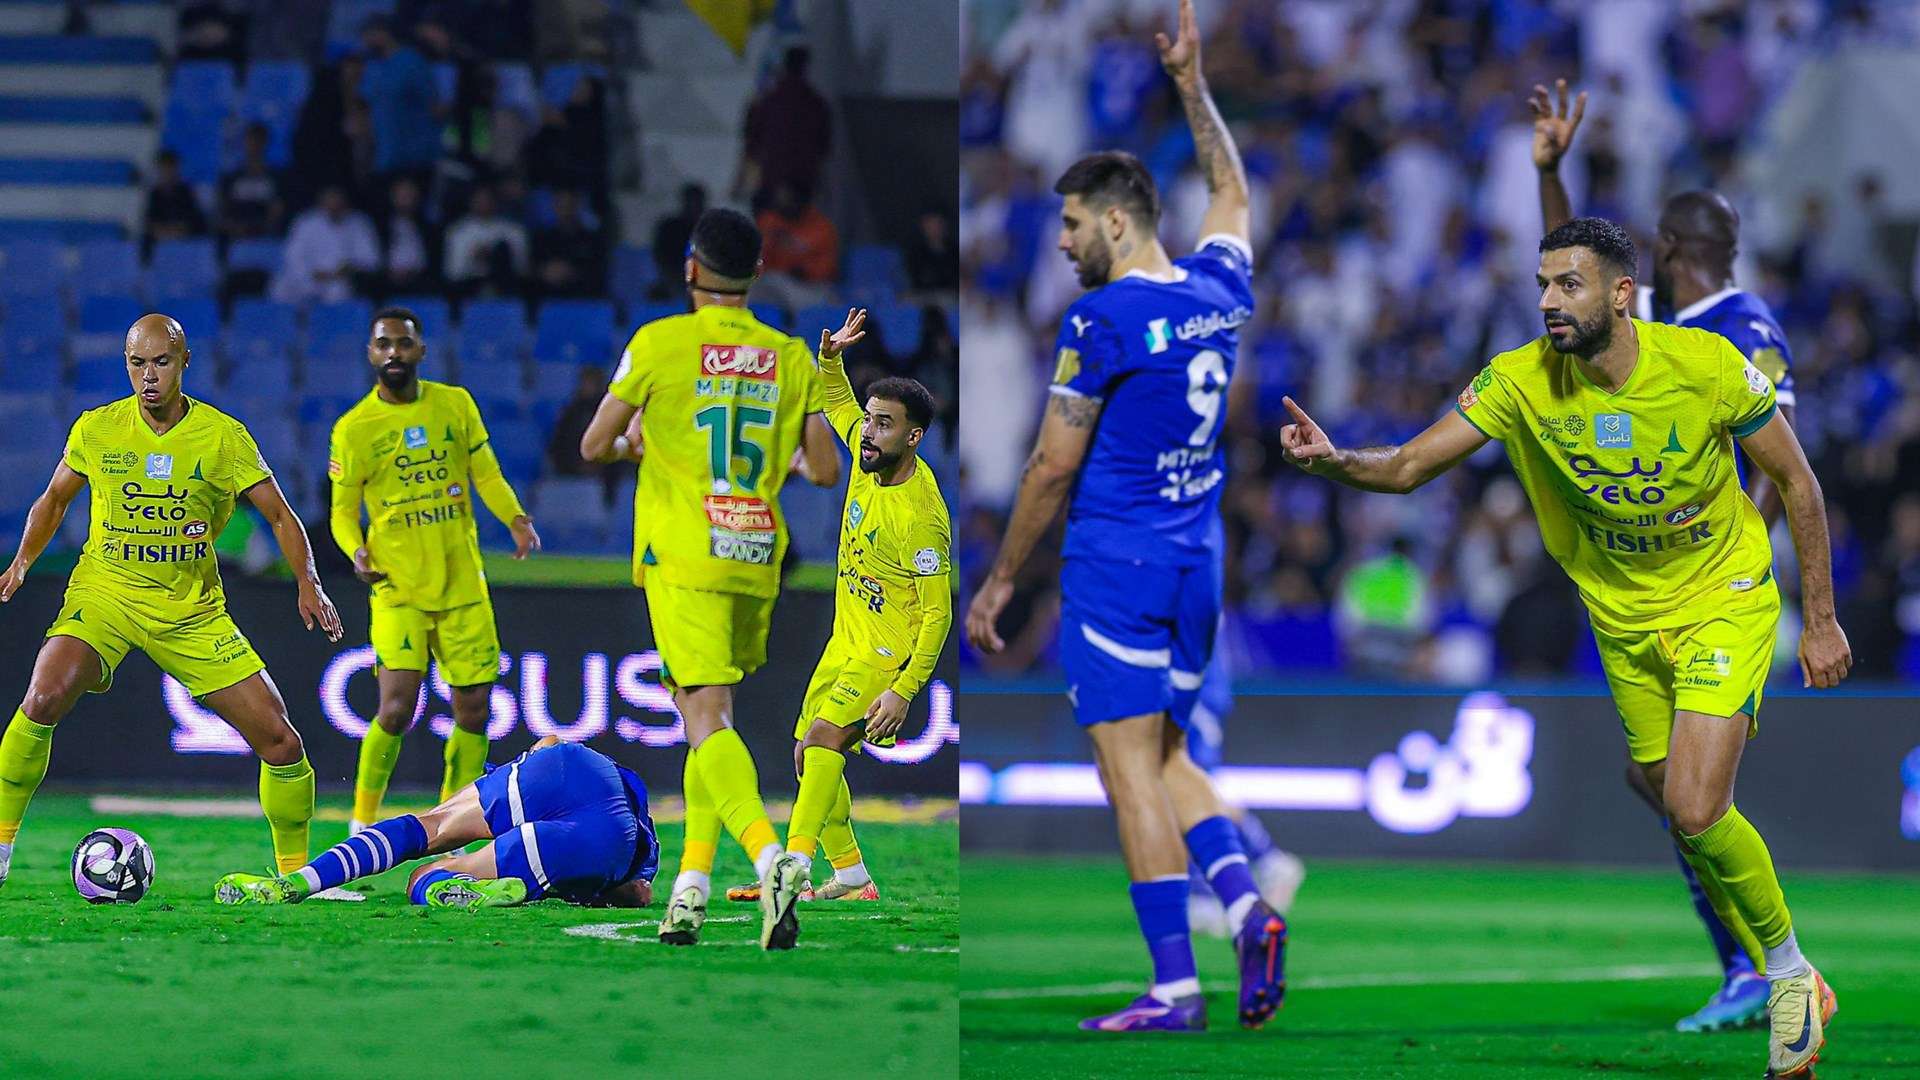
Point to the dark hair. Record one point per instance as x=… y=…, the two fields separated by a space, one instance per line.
x=397 y=313
x=915 y=398
x=1113 y=178
x=727 y=242
x=1602 y=237
x=1706 y=225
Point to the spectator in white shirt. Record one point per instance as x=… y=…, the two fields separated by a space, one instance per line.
x=326 y=247
x=485 y=249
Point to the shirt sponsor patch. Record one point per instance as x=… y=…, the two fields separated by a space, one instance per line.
x=926 y=561
x=416 y=437
x=740 y=529
x=740 y=362
x=1468 y=399
x=1757 y=380
x=159 y=466
x=1613 y=430
x=335 y=469
x=1066 y=367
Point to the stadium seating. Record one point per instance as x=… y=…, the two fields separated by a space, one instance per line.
x=899 y=326
x=875 y=271
x=33 y=270
x=273 y=94
x=100 y=378
x=771 y=314
x=107 y=267
x=573 y=332
x=337 y=332
x=572 y=511
x=259 y=254
x=436 y=321
x=183 y=268
x=110 y=315
x=490 y=342
x=633 y=275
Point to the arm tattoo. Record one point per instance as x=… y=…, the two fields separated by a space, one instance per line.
x=1212 y=145
x=1076 y=410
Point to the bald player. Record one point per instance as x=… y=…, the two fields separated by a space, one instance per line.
x=164 y=470
x=1697 y=238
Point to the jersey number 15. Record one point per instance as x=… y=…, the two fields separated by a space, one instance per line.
x=729 y=437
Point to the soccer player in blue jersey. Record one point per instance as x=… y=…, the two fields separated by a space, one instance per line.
x=561 y=820
x=1697 y=236
x=1130 y=441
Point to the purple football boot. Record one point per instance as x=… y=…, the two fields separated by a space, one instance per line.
x=1149 y=1013
x=1262 y=945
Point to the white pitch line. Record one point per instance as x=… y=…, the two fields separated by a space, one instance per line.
x=1618 y=973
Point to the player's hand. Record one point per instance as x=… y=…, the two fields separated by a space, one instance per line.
x=885 y=716
x=363 y=567
x=988 y=602
x=11 y=581
x=1825 y=656
x=1553 y=124
x=798 y=466
x=837 y=342
x=1303 y=442
x=316 y=607
x=525 y=540
x=1181 y=56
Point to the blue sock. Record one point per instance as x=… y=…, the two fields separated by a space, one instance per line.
x=1161 y=907
x=1733 y=958
x=375 y=850
x=1197 y=881
x=418 y=894
x=1253 y=836
x=1215 y=845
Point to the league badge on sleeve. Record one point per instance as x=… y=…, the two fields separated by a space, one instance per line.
x=926 y=561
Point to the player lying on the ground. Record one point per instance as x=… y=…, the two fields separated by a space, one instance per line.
x=561 y=820
x=891 y=612
x=1139 y=400
x=1693 y=285
x=165 y=471
x=1670 y=556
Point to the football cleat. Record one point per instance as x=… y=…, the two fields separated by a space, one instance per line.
x=1741 y=1002
x=471 y=893
x=747 y=893
x=6 y=861
x=1262 y=948
x=686 y=912
x=1799 y=1008
x=779 y=893
x=257 y=889
x=835 y=889
x=1149 y=1013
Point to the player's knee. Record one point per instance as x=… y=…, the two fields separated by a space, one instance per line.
x=49 y=704
x=394 y=719
x=280 y=745
x=1694 y=812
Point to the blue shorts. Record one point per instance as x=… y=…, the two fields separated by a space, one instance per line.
x=562 y=822
x=1135 y=637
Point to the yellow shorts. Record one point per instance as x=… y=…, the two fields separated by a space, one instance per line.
x=463 y=639
x=707 y=638
x=206 y=652
x=841 y=689
x=1717 y=667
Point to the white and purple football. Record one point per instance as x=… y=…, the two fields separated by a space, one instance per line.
x=113 y=866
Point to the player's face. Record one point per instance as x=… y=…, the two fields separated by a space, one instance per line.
x=888 y=436
x=1576 y=300
x=155 y=373
x=1085 y=243
x=395 y=350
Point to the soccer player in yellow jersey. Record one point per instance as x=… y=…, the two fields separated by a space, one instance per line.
x=723 y=401
x=164 y=470
x=1622 y=433
x=416 y=453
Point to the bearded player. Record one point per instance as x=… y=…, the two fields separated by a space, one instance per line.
x=416 y=452
x=165 y=471
x=1138 y=398
x=723 y=401
x=1641 y=504
x=1693 y=285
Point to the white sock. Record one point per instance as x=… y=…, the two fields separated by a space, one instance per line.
x=1784 y=960
x=698 y=879
x=1237 y=914
x=853 y=876
x=764 y=861
x=1168 y=993
x=806 y=863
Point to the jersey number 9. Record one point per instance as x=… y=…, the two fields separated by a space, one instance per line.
x=1206 y=385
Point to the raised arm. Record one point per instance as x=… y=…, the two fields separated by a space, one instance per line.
x=315 y=607
x=1065 y=433
x=1212 y=144
x=1395 y=469
x=1825 y=655
x=43 y=521
x=1553 y=128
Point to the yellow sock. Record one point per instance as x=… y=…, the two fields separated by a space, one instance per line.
x=836 y=836
x=466 y=760
x=378 y=751
x=703 y=823
x=728 y=772
x=286 y=795
x=1724 y=907
x=822 y=770
x=23 y=764
x=1740 y=864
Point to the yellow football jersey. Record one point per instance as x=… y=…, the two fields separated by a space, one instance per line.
x=414 y=465
x=724 y=399
x=891 y=537
x=1636 y=491
x=158 y=501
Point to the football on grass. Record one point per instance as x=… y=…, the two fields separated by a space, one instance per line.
x=113 y=866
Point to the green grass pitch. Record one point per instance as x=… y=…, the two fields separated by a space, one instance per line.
x=177 y=986
x=1427 y=970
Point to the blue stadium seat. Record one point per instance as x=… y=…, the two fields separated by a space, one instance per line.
x=96 y=375
x=514 y=88
x=633 y=275
x=338 y=330
x=573 y=512
x=23 y=476
x=518 y=444
x=900 y=326
x=28 y=321
x=183 y=268
x=256 y=406
x=274 y=93
x=109 y=314
x=446 y=82
x=204 y=85
x=257 y=254
x=557 y=82
x=573 y=332
x=491 y=340
x=34 y=420
x=197 y=138
x=495 y=406
x=107 y=267
x=436 y=318
x=554 y=381
x=875 y=272
x=33 y=268
x=199 y=316
x=259 y=327
x=772 y=314
x=810 y=320
x=321 y=410
x=641 y=314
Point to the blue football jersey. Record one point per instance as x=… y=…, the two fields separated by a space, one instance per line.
x=1744 y=319
x=1159 y=353
x=647 y=854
